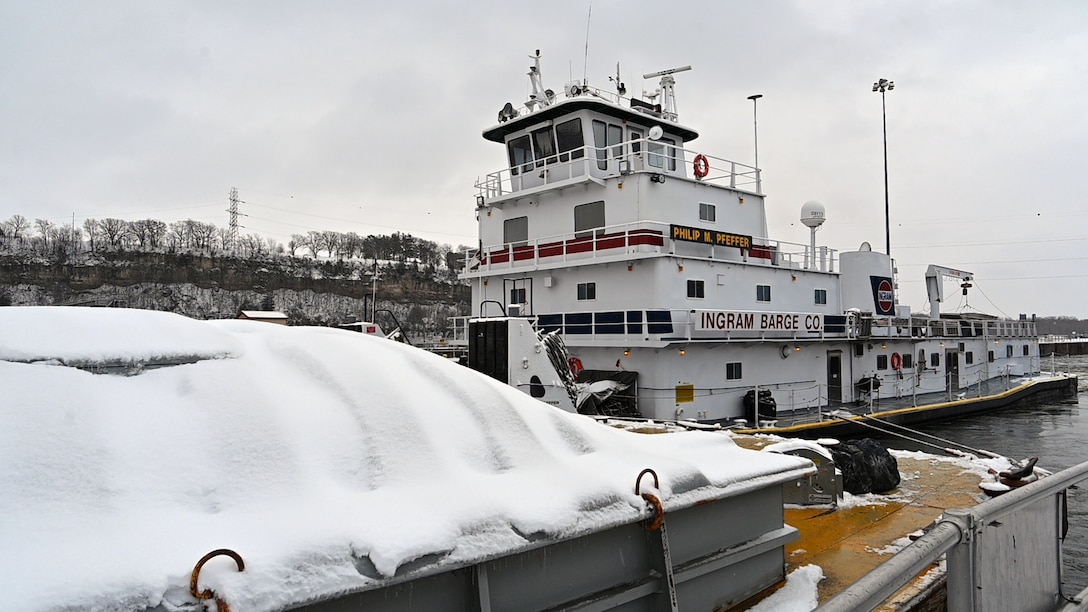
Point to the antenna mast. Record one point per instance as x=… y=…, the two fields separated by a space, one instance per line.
x=668 y=97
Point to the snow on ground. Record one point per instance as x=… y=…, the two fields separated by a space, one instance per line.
x=799 y=595
x=310 y=451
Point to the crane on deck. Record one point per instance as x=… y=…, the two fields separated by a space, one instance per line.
x=935 y=276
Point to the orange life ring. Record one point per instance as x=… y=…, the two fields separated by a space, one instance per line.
x=575 y=365
x=701 y=167
x=897 y=361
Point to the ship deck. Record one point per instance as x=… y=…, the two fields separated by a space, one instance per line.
x=884 y=415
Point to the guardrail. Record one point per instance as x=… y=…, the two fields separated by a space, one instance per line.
x=633 y=156
x=1003 y=554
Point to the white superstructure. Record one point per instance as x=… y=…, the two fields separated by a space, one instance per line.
x=652 y=258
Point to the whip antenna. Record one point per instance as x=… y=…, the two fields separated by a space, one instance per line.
x=585 y=59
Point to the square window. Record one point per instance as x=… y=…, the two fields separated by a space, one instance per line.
x=821 y=296
x=859 y=350
x=1008 y=351
x=587 y=291
x=882 y=362
x=1025 y=350
x=517 y=296
x=696 y=289
x=587 y=217
x=935 y=359
x=990 y=356
x=515 y=231
x=908 y=360
x=707 y=212
x=969 y=357
x=733 y=371
x=763 y=293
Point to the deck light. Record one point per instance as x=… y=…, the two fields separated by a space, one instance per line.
x=626 y=352
x=683 y=352
x=797 y=349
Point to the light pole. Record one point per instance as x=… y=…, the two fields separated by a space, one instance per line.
x=755 y=130
x=882 y=86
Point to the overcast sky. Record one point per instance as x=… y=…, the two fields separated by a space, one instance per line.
x=366 y=117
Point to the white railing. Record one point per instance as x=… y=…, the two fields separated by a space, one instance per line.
x=634 y=156
x=633 y=238
x=1012 y=541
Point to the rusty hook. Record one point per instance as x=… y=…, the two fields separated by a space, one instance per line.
x=638 y=481
x=220 y=605
x=652 y=501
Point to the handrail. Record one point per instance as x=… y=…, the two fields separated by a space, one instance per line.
x=648 y=236
x=629 y=157
x=953 y=530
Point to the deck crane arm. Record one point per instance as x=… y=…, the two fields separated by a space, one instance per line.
x=935 y=288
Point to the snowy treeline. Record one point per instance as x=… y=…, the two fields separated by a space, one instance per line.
x=18 y=235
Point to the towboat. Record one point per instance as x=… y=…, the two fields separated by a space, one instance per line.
x=649 y=261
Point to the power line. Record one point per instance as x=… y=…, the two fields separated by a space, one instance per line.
x=999 y=242
x=985 y=263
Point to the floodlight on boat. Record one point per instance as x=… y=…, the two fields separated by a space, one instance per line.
x=507 y=113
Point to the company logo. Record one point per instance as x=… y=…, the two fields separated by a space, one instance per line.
x=883 y=295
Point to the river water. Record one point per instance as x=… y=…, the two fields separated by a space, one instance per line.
x=1057 y=433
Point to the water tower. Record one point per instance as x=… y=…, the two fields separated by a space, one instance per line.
x=813 y=216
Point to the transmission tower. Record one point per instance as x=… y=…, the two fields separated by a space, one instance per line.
x=232 y=233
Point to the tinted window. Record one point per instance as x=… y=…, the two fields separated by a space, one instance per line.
x=588 y=216
x=587 y=291
x=707 y=212
x=569 y=137
x=696 y=289
x=544 y=146
x=521 y=156
x=516 y=230
x=600 y=141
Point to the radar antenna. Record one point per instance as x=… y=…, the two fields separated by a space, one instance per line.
x=668 y=96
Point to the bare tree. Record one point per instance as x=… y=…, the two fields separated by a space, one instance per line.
x=16 y=229
x=113 y=230
x=45 y=227
x=90 y=227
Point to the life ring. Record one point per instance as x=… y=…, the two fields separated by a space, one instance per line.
x=897 y=361
x=575 y=365
x=701 y=167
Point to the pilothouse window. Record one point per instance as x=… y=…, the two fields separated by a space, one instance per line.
x=569 y=137
x=659 y=152
x=521 y=155
x=544 y=146
x=607 y=135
